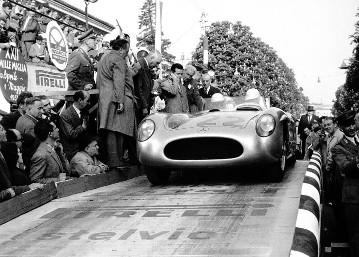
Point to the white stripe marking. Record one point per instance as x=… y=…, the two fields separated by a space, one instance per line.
x=310 y=174
x=311 y=191
x=297 y=254
x=307 y=220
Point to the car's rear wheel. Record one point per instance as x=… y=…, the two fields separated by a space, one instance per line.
x=276 y=172
x=157 y=176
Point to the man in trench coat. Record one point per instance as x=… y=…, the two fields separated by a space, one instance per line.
x=117 y=103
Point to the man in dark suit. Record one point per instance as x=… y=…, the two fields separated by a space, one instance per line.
x=9 y=120
x=207 y=90
x=49 y=159
x=73 y=123
x=25 y=125
x=195 y=101
x=306 y=121
x=346 y=180
x=143 y=83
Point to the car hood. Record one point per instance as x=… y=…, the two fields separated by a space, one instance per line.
x=228 y=119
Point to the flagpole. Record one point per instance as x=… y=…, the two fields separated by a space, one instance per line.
x=158 y=35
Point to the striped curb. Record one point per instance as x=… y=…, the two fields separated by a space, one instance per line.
x=306 y=239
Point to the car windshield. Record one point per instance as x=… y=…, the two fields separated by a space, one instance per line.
x=220 y=102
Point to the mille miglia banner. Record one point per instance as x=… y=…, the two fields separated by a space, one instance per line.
x=13 y=74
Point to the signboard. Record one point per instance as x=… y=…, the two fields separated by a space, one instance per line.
x=46 y=78
x=57 y=45
x=13 y=74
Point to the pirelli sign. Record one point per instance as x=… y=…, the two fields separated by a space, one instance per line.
x=46 y=78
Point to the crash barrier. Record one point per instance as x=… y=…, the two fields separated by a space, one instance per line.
x=33 y=199
x=306 y=239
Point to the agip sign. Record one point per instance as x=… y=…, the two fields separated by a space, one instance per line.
x=57 y=45
x=13 y=74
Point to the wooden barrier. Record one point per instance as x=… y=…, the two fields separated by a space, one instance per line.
x=26 y=202
x=30 y=200
x=78 y=185
x=61 y=94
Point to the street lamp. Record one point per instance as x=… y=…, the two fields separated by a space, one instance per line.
x=86 y=14
x=346 y=63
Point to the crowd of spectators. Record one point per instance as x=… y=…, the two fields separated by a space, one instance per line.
x=25 y=29
x=45 y=143
x=337 y=139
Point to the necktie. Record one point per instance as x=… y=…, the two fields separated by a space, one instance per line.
x=356 y=141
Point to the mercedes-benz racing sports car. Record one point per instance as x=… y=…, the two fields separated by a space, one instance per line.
x=230 y=133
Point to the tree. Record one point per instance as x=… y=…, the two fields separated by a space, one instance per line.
x=147 y=25
x=255 y=63
x=348 y=94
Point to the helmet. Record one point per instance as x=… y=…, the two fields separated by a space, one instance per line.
x=252 y=93
x=217 y=97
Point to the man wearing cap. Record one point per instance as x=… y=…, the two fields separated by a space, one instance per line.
x=346 y=180
x=79 y=69
x=306 y=121
x=85 y=161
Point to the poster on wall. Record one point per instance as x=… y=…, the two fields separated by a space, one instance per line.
x=57 y=45
x=13 y=74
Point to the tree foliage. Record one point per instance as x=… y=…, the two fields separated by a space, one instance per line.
x=348 y=94
x=257 y=65
x=147 y=25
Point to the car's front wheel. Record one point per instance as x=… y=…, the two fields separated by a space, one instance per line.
x=157 y=176
x=277 y=171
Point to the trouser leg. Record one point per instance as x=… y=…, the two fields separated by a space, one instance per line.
x=114 y=145
x=352 y=227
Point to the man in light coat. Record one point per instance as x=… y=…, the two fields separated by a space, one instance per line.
x=117 y=103
x=174 y=93
x=49 y=159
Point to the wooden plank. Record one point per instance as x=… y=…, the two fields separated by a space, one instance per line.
x=26 y=202
x=79 y=185
x=63 y=93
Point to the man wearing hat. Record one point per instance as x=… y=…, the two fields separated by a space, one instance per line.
x=85 y=161
x=79 y=69
x=346 y=180
x=306 y=121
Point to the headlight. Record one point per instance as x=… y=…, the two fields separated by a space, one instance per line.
x=145 y=130
x=265 y=125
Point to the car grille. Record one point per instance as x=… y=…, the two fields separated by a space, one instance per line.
x=207 y=148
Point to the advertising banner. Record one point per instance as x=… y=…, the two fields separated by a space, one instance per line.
x=46 y=78
x=13 y=74
x=57 y=45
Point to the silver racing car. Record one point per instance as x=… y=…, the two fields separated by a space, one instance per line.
x=230 y=133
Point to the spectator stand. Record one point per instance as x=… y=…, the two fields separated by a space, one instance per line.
x=43 y=75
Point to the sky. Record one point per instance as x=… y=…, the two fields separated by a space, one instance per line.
x=311 y=36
